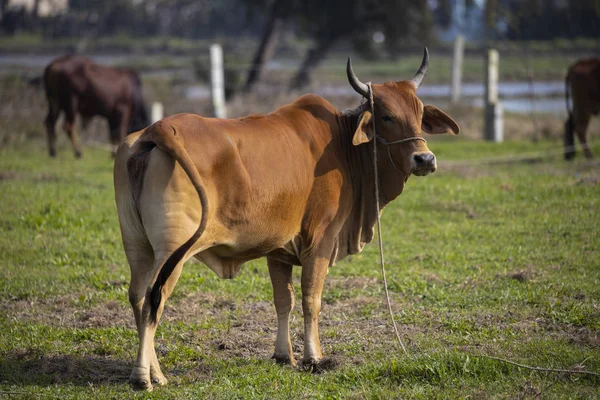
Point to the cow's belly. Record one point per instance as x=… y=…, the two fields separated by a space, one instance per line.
x=226 y=261
x=228 y=250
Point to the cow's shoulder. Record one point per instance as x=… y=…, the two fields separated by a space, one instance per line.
x=311 y=101
x=309 y=105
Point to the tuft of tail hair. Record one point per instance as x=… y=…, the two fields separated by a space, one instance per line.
x=569 y=125
x=165 y=272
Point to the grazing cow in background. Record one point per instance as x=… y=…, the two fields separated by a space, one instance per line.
x=295 y=186
x=583 y=83
x=75 y=85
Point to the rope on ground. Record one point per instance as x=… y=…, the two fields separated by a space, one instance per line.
x=562 y=371
x=385 y=285
x=521 y=157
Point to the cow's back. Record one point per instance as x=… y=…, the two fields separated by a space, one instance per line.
x=93 y=89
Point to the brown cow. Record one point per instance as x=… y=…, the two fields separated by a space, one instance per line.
x=295 y=186
x=583 y=81
x=75 y=85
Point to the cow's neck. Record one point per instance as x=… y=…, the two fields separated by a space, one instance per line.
x=360 y=163
x=358 y=228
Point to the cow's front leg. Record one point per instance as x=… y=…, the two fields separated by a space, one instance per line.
x=313 y=277
x=283 y=295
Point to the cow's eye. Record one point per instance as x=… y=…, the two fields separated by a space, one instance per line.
x=387 y=118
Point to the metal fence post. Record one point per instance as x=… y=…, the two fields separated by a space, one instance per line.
x=217 y=81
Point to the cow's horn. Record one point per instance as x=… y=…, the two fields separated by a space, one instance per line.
x=420 y=75
x=360 y=87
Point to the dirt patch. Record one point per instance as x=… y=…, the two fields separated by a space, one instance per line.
x=351 y=283
x=590 y=180
x=352 y=328
x=524 y=275
x=20 y=176
x=67 y=311
x=65 y=369
x=9 y=175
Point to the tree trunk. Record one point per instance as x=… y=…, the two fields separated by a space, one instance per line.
x=3 y=6
x=267 y=45
x=35 y=12
x=311 y=60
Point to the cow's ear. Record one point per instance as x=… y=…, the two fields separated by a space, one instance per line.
x=364 y=130
x=435 y=121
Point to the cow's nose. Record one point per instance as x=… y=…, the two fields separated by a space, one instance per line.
x=424 y=163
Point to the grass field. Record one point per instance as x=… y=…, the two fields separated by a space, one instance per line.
x=500 y=260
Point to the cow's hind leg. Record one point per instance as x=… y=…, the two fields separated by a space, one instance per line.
x=141 y=261
x=569 y=139
x=582 y=121
x=114 y=127
x=50 y=122
x=283 y=294
x=71 y=130
x=147 y=369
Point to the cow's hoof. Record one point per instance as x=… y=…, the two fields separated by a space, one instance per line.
x=53 y=153
x=141 y=384
x=159 y=379
x=139 y=380
x=319 y=366
x=284 y=360
x=78 y=155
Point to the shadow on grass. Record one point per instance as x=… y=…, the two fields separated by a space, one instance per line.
x=16 y=369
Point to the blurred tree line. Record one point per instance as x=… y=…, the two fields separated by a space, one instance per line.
x=542 y=19
x=373 y=28
x=324 y=21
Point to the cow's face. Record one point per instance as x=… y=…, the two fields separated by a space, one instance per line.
x=400 y=115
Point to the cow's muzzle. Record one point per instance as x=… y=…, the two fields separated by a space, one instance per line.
x=423 y=163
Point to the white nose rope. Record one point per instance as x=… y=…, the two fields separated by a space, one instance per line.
x=387 y=145
x=387 y=294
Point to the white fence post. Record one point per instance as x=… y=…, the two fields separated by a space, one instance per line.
x=493 y=108
x=457 y=65
x=217 y=81
x=157 y=112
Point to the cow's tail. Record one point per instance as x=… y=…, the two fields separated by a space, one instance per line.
x=569 y=124
x=49 y=88
x=166 y=137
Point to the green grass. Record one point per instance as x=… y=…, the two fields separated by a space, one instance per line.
x=500 y=260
